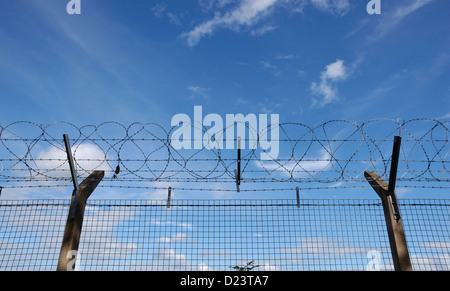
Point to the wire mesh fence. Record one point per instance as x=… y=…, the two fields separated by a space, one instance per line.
x=427 y=226
x=31 y=233
x=272 y=234
x=333 y=234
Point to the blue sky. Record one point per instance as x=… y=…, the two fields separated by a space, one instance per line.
x=145 y=61
x=148 y=60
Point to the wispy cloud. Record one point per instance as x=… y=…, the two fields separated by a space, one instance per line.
x=316 y=246
x=51 y=167
x=246 y=14
x=173 y=18
x=198 y=92
x=391 y=19
x=335 y=7
x=326 y=89
x=88 y=157
x=286 y=57
x=262 y=30
x=271 y=67
x=160 y=10
x=210 y=4
x=299 y=169
x=445 y=116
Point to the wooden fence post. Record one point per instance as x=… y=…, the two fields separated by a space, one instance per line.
x=394 y=224
x=72 y=232
x=397 y=240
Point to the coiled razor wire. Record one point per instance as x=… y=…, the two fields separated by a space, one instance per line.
x=332 y=154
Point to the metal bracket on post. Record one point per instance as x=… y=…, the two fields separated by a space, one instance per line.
x=297 y=192
x=169 y=194
x=1 y=188
x=237 y=173
x=393 y=177
x=76 y=189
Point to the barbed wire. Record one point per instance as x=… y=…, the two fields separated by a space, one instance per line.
x=333 y=154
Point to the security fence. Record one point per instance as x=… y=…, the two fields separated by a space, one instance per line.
x=328 y=155
x=180 y=234
x=333 y=234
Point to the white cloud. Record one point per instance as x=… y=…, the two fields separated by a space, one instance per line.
x=50 y=166
x=161 y=190
x=88 y=158
x=246 y=14
x=403 y=11
x=324 y=247
x=326 y=89
x=249 y=12
x=272 y=68
x=179 y=237
x=286 y=57
x=297 y=169
x=438 y=262
x=166 y=256
x=218 y=192
x=174 y=19
x=402 y=192
x=267 y=267
x=197 y=91
x=390 y=20
x=294 y=5
x=167 y=259
x=159 y=9
x=187 y=225
x=442 y=245
x=210 y=4
x=335 y=7
x=445 y=116
x=206 y=4
x=262 y=30
x=335 y=71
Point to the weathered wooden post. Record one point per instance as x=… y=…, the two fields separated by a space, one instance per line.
x=72 y=232
x=74 y=223
x=394 y=224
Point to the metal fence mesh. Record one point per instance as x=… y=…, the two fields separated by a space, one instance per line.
x=31 y=233
x=220 y=234
x=427 y=229
x=217 y=235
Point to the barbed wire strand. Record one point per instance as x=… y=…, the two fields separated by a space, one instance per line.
x=336 y=151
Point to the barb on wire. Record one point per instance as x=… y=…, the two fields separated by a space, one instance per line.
x=331 y=154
